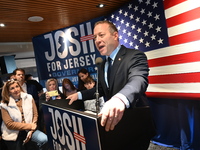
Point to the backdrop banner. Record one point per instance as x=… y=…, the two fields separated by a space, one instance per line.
x=62 y=53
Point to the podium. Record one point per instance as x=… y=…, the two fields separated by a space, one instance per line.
x=68 y=127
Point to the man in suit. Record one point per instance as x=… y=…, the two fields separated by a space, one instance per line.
x=39 y=87
x=124 y=88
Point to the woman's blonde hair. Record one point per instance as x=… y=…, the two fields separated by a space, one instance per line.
x=5 y=90
x=49 y=80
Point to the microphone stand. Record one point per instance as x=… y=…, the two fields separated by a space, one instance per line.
x=97 y=93
x=98 y=61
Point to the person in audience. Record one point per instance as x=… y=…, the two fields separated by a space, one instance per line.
x=11 y=76
x=2 y=143
x=67 y=87
x=89 y=83
x=91 y=105
x=19 y=115
x=82 y=75
x=27 y=87
x=51 y=86
x=29 y=79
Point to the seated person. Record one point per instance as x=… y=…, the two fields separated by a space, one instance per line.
x=51 y=85
x=90 y=105
x=2 y=143
x=19 y=115
x=27 y=87
x=29 y=79
x=82 y=75
x=67 y=87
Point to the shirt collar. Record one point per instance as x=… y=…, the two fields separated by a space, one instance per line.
x=114 y=53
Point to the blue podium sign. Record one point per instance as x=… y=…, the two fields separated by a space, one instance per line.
x=67 y=129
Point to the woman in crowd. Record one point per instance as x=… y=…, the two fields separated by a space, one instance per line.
x=19 y=115
x=82 y=75
x=67 y=87
x=51 y=85
x=52 y=93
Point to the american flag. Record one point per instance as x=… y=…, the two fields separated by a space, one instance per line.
x=169 y=33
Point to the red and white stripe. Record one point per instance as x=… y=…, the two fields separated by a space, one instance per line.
x=86 y=38
x=175 y=70
x=79 y=138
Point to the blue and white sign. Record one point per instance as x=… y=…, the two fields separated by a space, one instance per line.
x=69 y=130
x=62 y=53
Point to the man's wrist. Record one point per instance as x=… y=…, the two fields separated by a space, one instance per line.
x=120 y=100
x=123 y=99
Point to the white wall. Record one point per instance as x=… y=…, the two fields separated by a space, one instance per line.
x=25 y=59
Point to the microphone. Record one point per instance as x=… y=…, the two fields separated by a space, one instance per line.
x=98 y=61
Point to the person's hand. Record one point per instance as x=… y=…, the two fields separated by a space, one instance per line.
x=47 y=96
x=72 y=97
x=34 y=126
x=112 y=113
x=40 y=93
x=58 y=97
x=28 y=137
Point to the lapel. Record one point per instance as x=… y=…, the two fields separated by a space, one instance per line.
x=118 y=59
x=102 y=76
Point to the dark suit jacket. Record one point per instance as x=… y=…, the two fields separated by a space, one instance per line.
x=129 y=76
x=37 y=84
x=31 y=89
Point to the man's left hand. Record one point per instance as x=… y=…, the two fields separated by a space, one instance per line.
x=112 y=113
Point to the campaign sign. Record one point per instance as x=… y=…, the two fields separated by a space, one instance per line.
x=62 y=53
x=70 y=130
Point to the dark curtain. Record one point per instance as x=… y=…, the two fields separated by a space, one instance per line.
x=177 y=123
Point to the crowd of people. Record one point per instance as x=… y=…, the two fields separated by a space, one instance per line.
x=20 y=130
x=123 y=80
x=19 y=114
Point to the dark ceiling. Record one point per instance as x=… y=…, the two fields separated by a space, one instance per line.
x=57 y=14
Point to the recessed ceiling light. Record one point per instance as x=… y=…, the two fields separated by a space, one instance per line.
x=2 y=25
x=35 y=19
x=100 y=5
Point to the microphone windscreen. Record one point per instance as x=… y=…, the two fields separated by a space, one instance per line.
x=98 y=60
